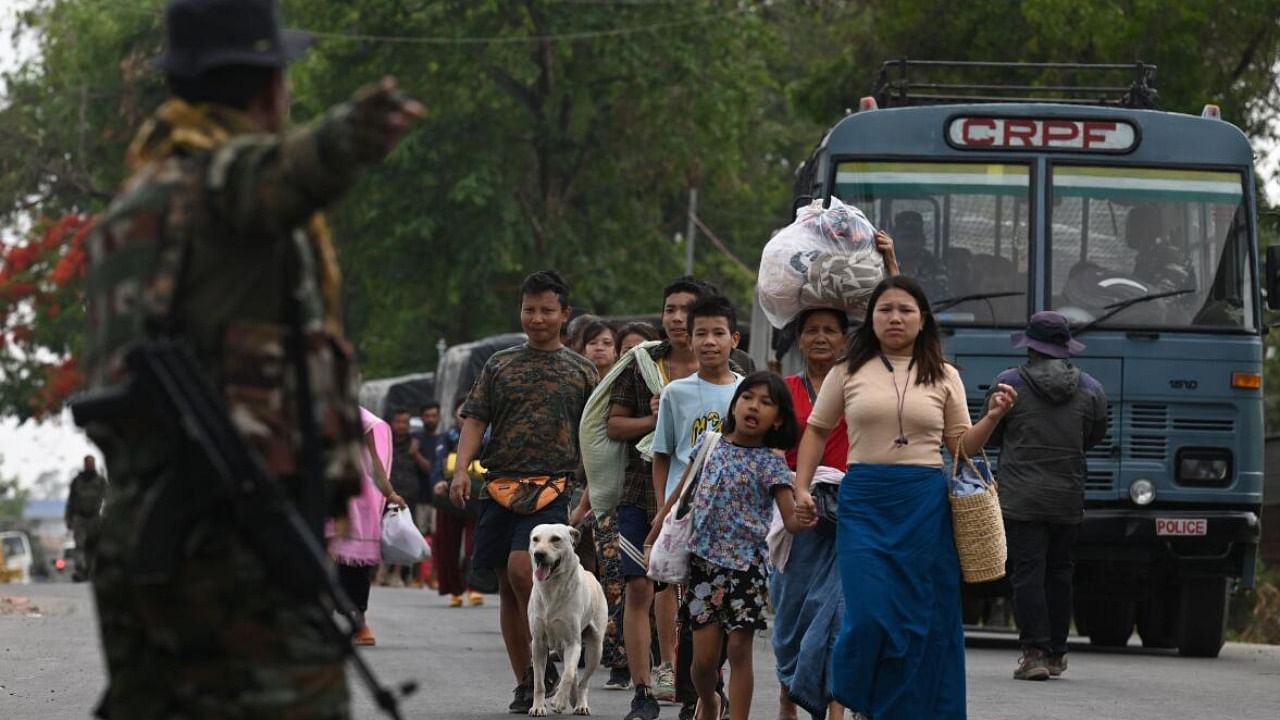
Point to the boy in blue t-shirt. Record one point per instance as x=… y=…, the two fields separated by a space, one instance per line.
x=690 y=406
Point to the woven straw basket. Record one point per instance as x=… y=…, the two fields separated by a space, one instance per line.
x=979 y=531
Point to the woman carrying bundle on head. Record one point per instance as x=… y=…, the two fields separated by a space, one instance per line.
x=804 y=585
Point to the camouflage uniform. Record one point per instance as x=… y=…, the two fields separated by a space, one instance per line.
x=83 y=516
x=215 y=237
x=532 y=401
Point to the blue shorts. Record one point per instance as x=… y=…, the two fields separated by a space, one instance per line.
x=500 y=532
x=634 y=525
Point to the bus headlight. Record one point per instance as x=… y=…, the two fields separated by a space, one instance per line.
x=1142 y=492
x=1204 y=467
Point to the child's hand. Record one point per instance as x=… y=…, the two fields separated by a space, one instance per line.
x=809 y=524
x=806 y=511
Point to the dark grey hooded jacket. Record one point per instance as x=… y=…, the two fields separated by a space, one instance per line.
x=1060 y=413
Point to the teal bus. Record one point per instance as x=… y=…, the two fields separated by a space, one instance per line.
x=1140 y=226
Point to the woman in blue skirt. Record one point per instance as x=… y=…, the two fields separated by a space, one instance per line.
x=900 y=652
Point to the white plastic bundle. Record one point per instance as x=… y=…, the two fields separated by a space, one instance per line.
x=825 y=259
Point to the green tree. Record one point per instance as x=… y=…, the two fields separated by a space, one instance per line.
x=1207 y=51
x=561 y=134
x=13 y=500
x=568 y=139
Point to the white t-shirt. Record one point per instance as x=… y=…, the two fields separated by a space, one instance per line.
x=687 y=408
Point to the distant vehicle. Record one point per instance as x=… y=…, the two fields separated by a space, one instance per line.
x=64 y=566
x=1141 y=226
x=460 y=367
x=409 y=392
x=15 y=551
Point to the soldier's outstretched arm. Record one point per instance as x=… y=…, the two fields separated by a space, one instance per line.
x=263 y=185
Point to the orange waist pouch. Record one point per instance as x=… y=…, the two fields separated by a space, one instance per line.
x=526 y=495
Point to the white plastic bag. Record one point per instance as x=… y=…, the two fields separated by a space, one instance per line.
x=669 y=557
x=402 y=543
x=827 y=258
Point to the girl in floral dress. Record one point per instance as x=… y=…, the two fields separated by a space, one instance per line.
x=740 y=481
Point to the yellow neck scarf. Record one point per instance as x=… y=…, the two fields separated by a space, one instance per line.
x=178 y=125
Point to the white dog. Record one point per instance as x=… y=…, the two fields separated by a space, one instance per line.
x=567 y=612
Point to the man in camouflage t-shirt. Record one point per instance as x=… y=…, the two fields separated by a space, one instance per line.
x=531 y=399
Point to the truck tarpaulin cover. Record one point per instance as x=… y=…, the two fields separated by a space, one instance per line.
x=462 y=365
x=408 y=392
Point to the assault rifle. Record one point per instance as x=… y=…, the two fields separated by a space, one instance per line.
x=169 y=384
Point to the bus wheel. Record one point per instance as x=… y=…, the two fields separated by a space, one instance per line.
x=1203 y=617
x=1109 y=621
x=1158 y=618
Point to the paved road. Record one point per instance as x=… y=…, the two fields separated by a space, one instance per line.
x=51 y=669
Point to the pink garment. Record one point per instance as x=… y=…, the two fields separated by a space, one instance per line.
x=363 y=543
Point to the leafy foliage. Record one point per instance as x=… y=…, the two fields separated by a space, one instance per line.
x=561 y=134
x=13 y=501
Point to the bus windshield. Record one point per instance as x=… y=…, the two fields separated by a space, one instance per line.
x=960 y=228
x=1150 y=248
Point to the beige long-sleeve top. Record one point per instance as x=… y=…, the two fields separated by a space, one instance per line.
x=870 y=407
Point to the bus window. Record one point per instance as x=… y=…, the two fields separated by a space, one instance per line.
x=1125 y=233
x=961 y=229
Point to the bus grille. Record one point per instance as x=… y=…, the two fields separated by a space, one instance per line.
x=1099 y=480
x=1204 y=425
x=1148 y=447
x=1106 y=449
x=1149 y=417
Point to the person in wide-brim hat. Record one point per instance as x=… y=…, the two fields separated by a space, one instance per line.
x=203 y=35
x=1061 y=412
x=1048 y=333
x=217 y=242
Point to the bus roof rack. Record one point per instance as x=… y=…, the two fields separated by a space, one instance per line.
x=905 y=82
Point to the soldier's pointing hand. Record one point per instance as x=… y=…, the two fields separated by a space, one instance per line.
x=379 y=116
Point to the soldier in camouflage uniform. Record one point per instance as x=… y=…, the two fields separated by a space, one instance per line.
x=216 y=240
x=531 y=398
x=84 y=513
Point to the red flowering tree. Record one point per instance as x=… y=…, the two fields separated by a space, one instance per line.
x=41 y=316
x=67 y=112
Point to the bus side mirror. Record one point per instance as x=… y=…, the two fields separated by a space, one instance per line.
x=1272 y=275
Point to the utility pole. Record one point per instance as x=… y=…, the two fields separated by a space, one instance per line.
x=691 y=231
